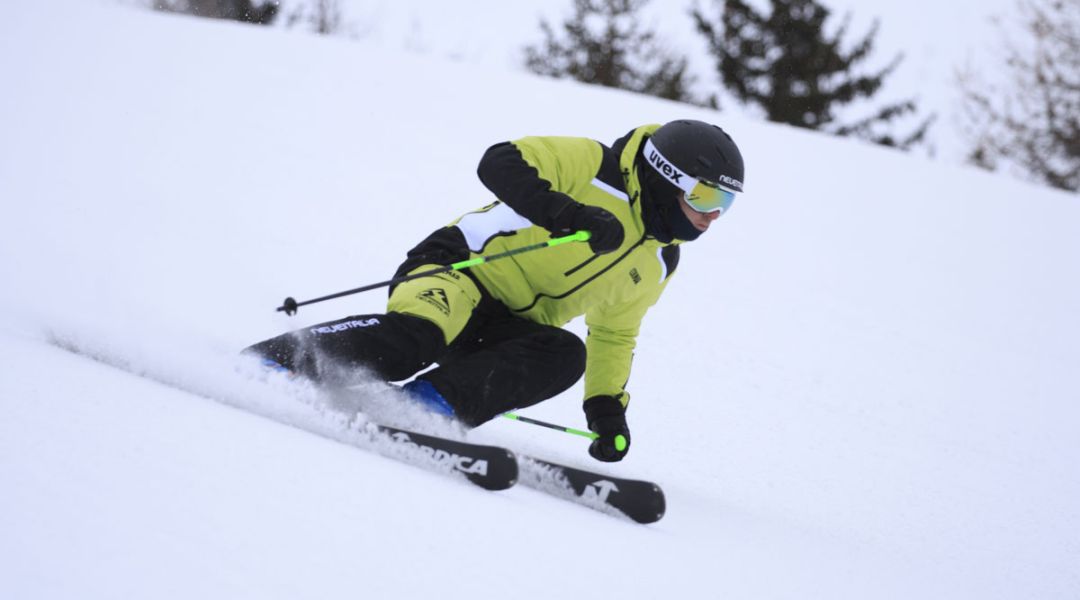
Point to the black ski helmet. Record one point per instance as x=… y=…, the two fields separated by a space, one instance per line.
x=676 y=157
x=701 y=150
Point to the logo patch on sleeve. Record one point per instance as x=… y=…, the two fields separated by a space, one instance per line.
x=437 y=298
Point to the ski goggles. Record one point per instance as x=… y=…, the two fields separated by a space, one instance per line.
x=707 y=197
x=702 y=196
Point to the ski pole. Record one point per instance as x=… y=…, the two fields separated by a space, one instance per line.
x=290 y=305
x=517 y=417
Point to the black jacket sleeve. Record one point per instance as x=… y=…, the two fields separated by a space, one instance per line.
x=518 y=184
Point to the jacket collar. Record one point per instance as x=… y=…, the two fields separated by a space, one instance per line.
x=627 y=148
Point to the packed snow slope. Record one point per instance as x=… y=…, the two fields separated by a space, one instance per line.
x=862 y=382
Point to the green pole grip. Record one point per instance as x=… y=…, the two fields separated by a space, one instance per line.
x=472 y=262
x=580 y=236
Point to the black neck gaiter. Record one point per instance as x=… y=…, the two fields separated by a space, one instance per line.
x=660 y=210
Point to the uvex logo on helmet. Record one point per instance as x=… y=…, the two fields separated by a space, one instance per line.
x=664 y=167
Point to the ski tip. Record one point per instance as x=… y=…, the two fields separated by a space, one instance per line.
x=654 y=511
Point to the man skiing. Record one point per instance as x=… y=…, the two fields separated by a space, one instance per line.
x=495 y=330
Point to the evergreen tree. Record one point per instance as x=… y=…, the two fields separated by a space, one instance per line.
x=236 y=10
x=1032 y=120
x=785 y=63
x=603 y=44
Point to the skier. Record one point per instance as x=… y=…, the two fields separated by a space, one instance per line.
x=495 y=330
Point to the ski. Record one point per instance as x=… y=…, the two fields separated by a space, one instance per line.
x=641 y=501
x=490 y=467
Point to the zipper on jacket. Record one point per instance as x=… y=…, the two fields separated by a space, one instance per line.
x=587 y=281
x=582 y=265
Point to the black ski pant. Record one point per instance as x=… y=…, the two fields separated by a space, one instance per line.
x=498 y=363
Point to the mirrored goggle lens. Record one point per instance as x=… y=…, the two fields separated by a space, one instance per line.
x=709 y=197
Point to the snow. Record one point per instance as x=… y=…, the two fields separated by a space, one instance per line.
x=861 y=383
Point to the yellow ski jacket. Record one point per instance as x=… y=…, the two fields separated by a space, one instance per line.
x=533 y=178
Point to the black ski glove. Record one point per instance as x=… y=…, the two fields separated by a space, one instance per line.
x=605 y=229
x=607 y=417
